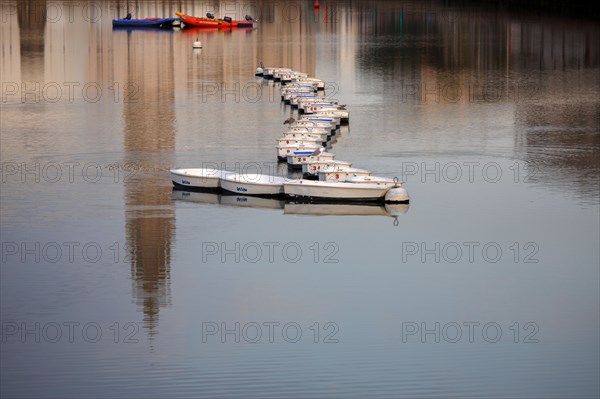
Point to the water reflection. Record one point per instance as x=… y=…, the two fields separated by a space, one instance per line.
x=299 y=207
x=539 y=71
x=32 y=23
x=149 y=139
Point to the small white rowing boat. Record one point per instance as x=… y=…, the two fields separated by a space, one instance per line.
x=284 y=150
x=288 y=77
x=302 y=124
x=374 y=179
x=296 y=159
x=335 y=190
x=278 y=73
x=334 y=120
x=318 y=82
x=312 y=168
x=322 y=136
x=252 y=184
x=338 y=113
x=205 y=178
x=268 y=72
x=299 y=140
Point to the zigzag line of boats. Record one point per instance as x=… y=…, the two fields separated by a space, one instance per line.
x=302 y=146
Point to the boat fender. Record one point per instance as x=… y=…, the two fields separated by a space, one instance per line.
x=397 y=195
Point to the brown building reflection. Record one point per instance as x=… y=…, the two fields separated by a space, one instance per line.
x=144 y=67
x=32 y=16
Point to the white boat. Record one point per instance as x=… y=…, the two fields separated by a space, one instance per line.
x=319 y=83
x=284 y=150
x=252 y=184
x=288 y=77
x=299 y=140
x=293 y=98
x=205 y=178
x=333 y=190
x=374 y=179
x=325 y=129
x=322 y=137
x=297 y=90
x=309 y=109
x=343 y=114
x=306 y=102
x=268 y=72
x=296 y=159
x=294 y=87
x=334 y=120
x=309 y=106
x=334 y=173
x=311 y=168
x=278 y=73
x=303 y=123
x=308 y=93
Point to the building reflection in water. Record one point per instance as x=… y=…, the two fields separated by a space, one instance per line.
x=149 y=140
x=432 y=46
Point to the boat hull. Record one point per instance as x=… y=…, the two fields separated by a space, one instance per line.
x=312 y=168
x=200 y=22
x=322 y=137
x=341 y=174
x=299 y=141
x=284 y=150
x=296 y=160
x=335 y=191
x=197 y=178
x=253 y=184
x=163 y=23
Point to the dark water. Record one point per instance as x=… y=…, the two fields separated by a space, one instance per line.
x=113 y=285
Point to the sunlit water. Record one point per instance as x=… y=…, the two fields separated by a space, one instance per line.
x=486 y=285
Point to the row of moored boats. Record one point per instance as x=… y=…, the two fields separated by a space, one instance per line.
x=302 y=146
x=184 y=20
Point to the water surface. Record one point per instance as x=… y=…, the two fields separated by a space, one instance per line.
x=490 y=117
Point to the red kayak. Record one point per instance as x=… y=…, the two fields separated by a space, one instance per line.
x=211 y=22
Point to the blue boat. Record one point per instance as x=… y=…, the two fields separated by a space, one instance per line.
x=163 y=23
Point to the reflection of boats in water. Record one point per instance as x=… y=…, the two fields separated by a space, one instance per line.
x=252 y=202
x=318 y=208
x=196 y=31
x=337 y=209
x=225 y=198
x=205 y=197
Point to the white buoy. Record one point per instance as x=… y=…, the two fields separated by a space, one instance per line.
x=396 y=195
x=197 y=44
x=396 y=209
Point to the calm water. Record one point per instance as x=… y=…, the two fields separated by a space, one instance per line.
x=114 y=285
